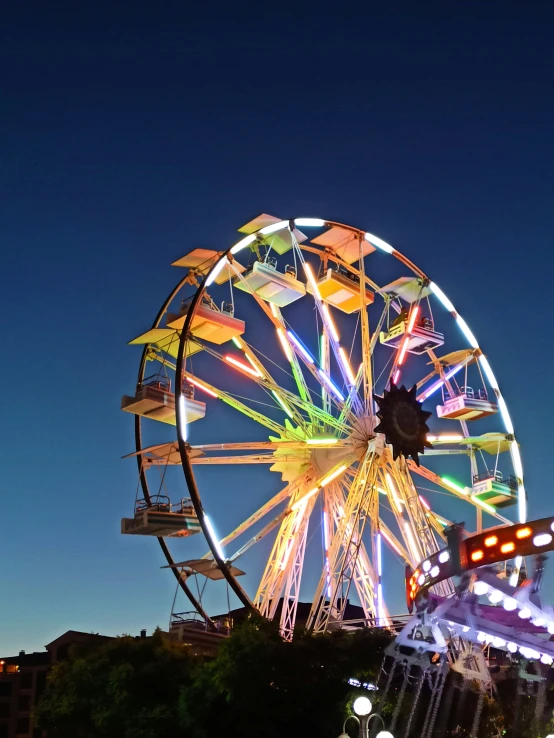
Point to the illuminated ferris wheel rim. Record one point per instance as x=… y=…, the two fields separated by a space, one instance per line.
x=383 y=246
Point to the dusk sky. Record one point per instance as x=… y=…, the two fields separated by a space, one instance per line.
x=133 y=132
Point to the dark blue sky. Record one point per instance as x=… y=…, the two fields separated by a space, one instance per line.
x=131 y=133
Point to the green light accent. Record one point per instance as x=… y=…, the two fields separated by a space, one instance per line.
x=236 y=341
x=454 y=485
x=281 y=403
x=485 y=505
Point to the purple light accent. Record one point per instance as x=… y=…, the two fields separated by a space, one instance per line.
x=305 y=353
x=434 y=387
x=331 y=385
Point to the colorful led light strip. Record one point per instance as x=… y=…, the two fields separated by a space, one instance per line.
x=434 y=387
x=305 y=353
x=182 y=418
x=311 y=280
x=346 y=365
x=330 y=322
x=196 y=383
x=321 y=441
x=284 y=344
x=331 y=385
x=242 y=367
x=329 y=478
x=281 y=403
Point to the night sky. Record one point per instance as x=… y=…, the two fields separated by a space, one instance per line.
x=131 y=133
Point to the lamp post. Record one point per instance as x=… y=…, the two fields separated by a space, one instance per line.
x=362 y=709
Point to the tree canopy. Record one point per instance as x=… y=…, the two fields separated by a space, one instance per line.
x=259 y=684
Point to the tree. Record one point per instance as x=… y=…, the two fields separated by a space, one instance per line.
x=275 y=688
x=126 y=688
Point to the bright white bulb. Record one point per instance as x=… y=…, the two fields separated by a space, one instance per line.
x=421 y=579
x=386 y=734
x=426 y=565
x=383 y=245
x=309 y=222
x=444 y=556
x=498 y=642
x=512 y=647
x=480 y=588
x=509 y=604
x=525 y=613
x=539 y=622
x=545 y=659
x=274 y=227
x=435 y=571
x=362 y=706
x=481 y=637
x=542 y=540
x=495 y=596
x=550 y=628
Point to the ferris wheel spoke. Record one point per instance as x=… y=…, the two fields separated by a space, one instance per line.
x=457 y=490
x=291 y=345
x=394 y=544
x=413 y=508
x=277 y=499
x=248 y=459
x=363 y=573
x=283 y=554
x=241 y=407
x=344 y=546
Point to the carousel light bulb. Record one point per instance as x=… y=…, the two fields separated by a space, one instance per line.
x=512 y=647
x=426 y=565
x=435 y=571
x=480 y=588
x=509 y=604
x=444 y=556
x=525 y=613
x=495 y=596
x=545 y=659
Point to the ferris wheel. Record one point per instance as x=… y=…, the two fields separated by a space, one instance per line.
x=331 y=409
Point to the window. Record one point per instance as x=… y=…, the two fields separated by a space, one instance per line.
x=26 y=680
x=22 y=726
x=24 y=703
x=40 y=685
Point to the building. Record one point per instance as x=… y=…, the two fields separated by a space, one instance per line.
x=23 y=679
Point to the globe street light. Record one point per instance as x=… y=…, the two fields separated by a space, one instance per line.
x=362 y=708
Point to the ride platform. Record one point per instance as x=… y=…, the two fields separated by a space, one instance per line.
x=209 y=324
x=161 y=519
x=492 y=488
x=158 y=403
x=342 y=291
x=465 y=406
x=422 y=337
x=271 y=285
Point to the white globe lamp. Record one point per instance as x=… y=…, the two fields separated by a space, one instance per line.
x=362 y=706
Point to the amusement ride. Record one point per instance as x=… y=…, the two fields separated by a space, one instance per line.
x=324 y=399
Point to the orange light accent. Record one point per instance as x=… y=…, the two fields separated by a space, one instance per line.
x=414 y=587
x=491 y=541
x=477 y=555
x=243 y=367
x=412 y=595
x=413 y=317
x=523 y=533
x=507 y=548
x=403 y=350
x=416 y=573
